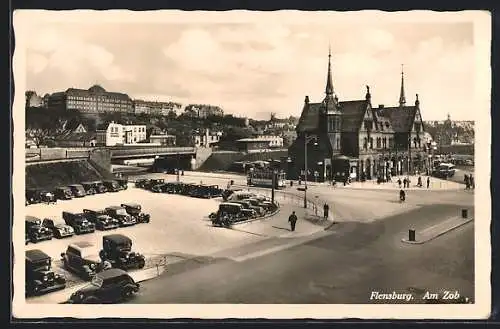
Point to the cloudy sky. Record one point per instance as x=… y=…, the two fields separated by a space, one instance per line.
x=254 y=69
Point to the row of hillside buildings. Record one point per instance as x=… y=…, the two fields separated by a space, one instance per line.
x=115 y=134
x=97 y=100
x=340 y=139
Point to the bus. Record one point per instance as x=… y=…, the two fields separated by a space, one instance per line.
x=264 y=178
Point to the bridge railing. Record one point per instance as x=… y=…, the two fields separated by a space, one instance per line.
x=120 y=152
x=57 y=153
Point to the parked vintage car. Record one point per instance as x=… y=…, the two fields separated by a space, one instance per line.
x=78 y=221
x=77 y=190
x=230 y=213
x=112 y=185
x=141 y=182
x=35 y=231
x=102 y=221
x=89 y=188
x=109 y=286
x=153 y=183
x=123 y=183
x=40 y=279
x=82 y=259
x=173 y=187
x=63 y=193
x=248 y=205
x=135 y=210
x=99 y=187
x=226 y=194
x=117 y=250
x=34 y=195
x=267 y=206
x=120 y=214
x=58 y=227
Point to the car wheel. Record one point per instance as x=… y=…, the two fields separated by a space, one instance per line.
x=127 y=293
x=91 y=300
x=34 y=240
x=141 y=264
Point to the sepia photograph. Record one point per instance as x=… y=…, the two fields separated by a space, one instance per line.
x=248 y=164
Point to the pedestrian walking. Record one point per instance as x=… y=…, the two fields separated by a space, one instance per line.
x=399 y=182
x=405 y=181
x=428 y=181
x=402 y=195
x=326 y=208
x=419 y=182
x=293 y=220
x=408 y=182
x=471 y=181
x=467 y=182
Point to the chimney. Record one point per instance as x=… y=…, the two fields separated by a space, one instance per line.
x=381 y=106
x=306 y=100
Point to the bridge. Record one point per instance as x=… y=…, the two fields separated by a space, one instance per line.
x=117 y=152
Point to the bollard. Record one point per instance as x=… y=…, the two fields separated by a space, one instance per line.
x=464 y=213
x=411 y=235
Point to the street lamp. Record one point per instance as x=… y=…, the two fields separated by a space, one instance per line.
x=178 y=169
x=274 y=173
x=307 y=139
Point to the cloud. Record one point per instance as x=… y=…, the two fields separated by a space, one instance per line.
x=258 y=68
x=72 y=57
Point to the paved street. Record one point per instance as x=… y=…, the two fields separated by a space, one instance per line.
x=344 y=266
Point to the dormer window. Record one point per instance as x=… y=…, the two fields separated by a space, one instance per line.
x=387 y=125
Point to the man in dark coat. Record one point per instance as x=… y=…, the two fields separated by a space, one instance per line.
x=292 y=219
x=471 y=181
x=467 y=182
x=399 y=182
x=428 y=181
x=326 y=208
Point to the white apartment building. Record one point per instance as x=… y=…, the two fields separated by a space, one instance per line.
x=118 y=134
x=274 y=141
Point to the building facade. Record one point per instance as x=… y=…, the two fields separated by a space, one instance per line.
x=203 y=111
x=92 y=101
x=341 y=139
x=117 y=134
x=208 y=139
x=164 y=140
x=156 y=108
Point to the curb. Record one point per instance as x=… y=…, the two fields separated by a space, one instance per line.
x=404 y=240
x=258 y=218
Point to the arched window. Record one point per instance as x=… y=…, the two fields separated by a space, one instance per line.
x=371 y=142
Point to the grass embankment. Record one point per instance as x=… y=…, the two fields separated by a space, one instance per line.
x=51 y=175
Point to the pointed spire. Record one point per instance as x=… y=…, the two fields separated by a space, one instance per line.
x=329 y=83
x=368 y=95
x=402 y=98
x=417 y=102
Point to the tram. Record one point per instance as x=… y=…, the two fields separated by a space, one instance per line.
x=264 y=178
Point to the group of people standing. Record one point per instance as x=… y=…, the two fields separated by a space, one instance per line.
x=406 y=182
x=469 y=181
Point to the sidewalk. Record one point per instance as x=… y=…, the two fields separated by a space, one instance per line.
x=437 y=230
x=436 y=184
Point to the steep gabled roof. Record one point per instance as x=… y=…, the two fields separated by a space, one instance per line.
x=352 y=114
x=309 y=119
x=383 y=118
x=401 y=117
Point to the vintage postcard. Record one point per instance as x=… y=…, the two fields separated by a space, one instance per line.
x=239 y=164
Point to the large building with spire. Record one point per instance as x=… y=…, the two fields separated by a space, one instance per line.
x=354 y=139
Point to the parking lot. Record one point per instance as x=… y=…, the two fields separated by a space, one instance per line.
x=178 y=224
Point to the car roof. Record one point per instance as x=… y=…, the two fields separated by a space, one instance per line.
x=94 y=210
x=96 y=181
x=35 y=255
x=114 y=207
x=61 y=188
x=109 y=180
x=117 y=238
x=111 y=273
x=230 y=203
x=32 y=218
x=81 y=245
x=33 y=189
x=131 y=204
x=75 y=185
